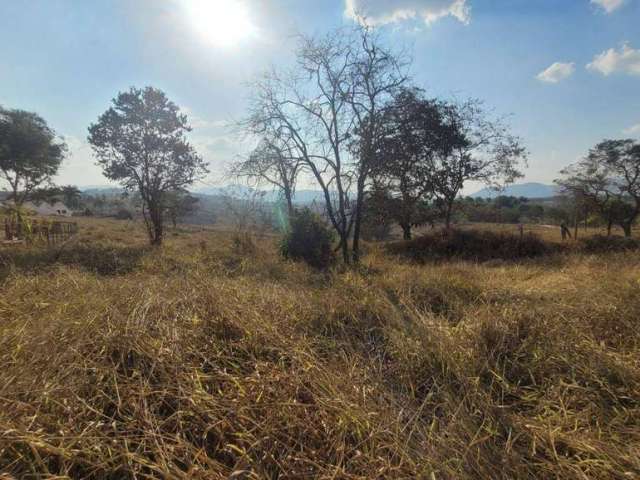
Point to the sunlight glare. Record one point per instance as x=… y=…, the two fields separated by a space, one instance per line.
x=221 y=22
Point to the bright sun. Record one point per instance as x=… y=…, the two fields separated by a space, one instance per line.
x=221 y=22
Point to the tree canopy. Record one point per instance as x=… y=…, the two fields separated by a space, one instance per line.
x=140 y=141
x=609 y=179
x=30 y=152
x=485 y=152
x=414 y=131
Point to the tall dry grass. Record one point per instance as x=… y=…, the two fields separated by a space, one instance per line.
x=204 y=361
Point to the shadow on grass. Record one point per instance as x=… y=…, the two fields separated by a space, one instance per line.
x=108 y=260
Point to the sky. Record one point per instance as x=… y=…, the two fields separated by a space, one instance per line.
x=566 y=72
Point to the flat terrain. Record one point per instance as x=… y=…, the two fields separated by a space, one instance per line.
x=213 y=358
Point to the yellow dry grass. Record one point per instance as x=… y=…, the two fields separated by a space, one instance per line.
x=207 y=359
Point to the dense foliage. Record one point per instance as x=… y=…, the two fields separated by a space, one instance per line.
x=470 y=244
x=310 y=239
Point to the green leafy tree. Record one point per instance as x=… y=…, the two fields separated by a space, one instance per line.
x=609 y=179
x=141 y=142
x=30 y=153
x=414 y=131
x=484 y=151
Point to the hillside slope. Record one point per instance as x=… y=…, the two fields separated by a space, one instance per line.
x=528 y=190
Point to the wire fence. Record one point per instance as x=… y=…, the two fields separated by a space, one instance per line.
x=27 y=230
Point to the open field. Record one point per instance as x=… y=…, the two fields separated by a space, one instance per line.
x=212 y=358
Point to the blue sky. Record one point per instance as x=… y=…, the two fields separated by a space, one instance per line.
x=566 y=71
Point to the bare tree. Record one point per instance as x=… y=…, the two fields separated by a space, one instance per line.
x=248 y=212
x=320 y=109
x=274 y=163
x=377 y=74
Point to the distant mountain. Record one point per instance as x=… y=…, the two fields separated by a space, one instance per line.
x=528 y=190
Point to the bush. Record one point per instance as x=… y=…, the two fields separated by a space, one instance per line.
x=124 y=214
x=309 y=239
x=472 y=245
x=613 y=243
x=376 y=228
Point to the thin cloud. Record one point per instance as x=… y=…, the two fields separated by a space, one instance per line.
x=632 y=130
x=556 y=72
x=381 y=12
x=197 y=122
x=609 y=5
x=625 y=60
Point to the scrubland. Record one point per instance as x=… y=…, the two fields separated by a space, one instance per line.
x=213 y=358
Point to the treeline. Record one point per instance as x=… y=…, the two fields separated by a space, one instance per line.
x=504 y=209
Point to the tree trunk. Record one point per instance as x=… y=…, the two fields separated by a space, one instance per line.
x=147 y=221
x=609 y=225
x=447 y=217
x=344 y=248
x=157 y=233
x=357 y=222
x=156 y=229
x=157 y=240
x=626 y=227
x=17 y=201
x=289 y=199
x=406 y=231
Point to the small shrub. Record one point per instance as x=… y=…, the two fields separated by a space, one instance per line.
x=309 y=239
x=472 y=245
x=124 y=214
x=613 y=243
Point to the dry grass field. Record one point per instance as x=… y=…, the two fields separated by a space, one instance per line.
x=212 y=359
